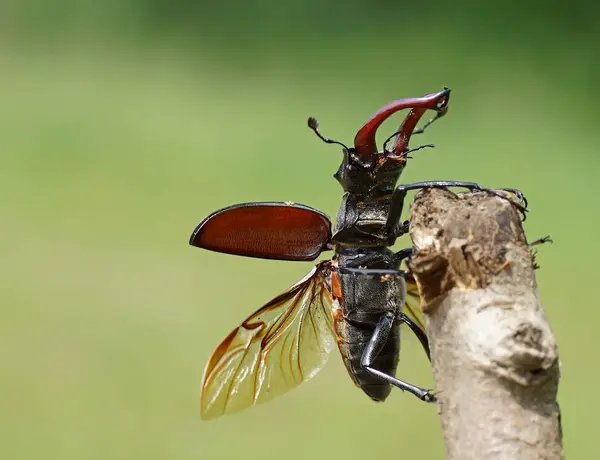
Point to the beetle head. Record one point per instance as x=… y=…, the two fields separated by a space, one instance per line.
x=365 y=171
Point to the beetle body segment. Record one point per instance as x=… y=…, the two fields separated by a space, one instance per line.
x=365 y=298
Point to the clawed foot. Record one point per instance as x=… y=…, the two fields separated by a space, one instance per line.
x=545 y=239
x=518 y=193
x=520 y=204
x=429 y=396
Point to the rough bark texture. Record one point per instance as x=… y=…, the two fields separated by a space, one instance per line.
x=494 y=356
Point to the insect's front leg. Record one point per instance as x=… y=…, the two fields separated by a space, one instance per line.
x=393 y=226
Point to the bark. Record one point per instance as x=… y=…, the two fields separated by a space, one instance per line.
x=494 y=357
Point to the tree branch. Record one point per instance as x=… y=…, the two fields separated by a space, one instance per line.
x=494 y=356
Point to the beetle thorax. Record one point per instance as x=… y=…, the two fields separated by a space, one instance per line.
x=366 y=178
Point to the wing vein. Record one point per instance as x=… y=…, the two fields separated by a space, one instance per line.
x=273 y=350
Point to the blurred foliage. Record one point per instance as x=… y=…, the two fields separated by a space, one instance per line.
x=123 y=123
x=232 y=18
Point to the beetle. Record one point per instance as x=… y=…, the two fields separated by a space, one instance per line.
x=356 y=300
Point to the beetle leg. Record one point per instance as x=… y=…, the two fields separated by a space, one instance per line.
x=403 y=254
x=418 y=331
x=545 y=239
x=518 y=193
x=392 y=225
x=397 y=204
x=405 y=226
x=374 y=347
x=414 y=327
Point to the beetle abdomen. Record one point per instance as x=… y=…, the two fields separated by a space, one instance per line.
x=352 y=342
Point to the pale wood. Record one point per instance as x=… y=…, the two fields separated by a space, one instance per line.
x=495 y=359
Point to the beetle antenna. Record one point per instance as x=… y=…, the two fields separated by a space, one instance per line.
x=314 y=125
x=438 y=115
x=405 y=154
x=389 y=139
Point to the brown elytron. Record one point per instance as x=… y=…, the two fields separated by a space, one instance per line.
x=265 y=230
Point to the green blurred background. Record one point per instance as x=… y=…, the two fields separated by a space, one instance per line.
x=123 y=123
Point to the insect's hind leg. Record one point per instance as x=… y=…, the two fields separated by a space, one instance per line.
x=401 y=255
x=374 y=347
x=418 y=331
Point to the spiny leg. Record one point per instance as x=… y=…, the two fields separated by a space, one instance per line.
x=418 y=331
x=374 y=347
x=468 y=185
x=414 y=327
x=545 y=239
x=401 y=255
x=393 y=221
x=518 y=193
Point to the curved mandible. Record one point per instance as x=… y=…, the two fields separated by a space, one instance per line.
x=405 y=130
x=364 y=141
